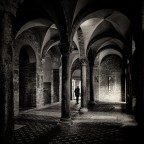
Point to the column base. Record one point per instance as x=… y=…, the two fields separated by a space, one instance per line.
x=65 y=122
x=92 y=103
x=83 y=110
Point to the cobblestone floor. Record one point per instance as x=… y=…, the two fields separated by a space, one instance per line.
x=103 y=125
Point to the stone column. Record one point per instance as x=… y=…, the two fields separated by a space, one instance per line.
x=39 y=84
x=60 y=83
x=91 y=85
x=138 y=79
x=71 y=88
x=83 y=108
x=128 y=62
x=6 y=77
x=128 y=89
x=66 y=74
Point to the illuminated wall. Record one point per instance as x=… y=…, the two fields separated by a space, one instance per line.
x=111 y=80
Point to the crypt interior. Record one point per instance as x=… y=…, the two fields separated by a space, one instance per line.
x=48 y=48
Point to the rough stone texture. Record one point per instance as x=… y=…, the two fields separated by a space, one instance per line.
x=105 y=125
x=16 y=90
x=81 y=41
x=27 y=81
x=47 y=68
x=111 y=79
x=47 y=93
x=51 y=65
x=6 y=77
x=88 y=83
x=56 y=85
x=66 y=73
x=6 y=61
x=28 y=38
x=39 y=94
x=60 y=83
x=83 y=83
x=96 y=83
x=52 y=89
x=10 y=6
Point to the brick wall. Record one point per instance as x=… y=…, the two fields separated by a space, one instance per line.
x=55 y=85
x=96 y=83
x=88 y=83
x=27 y=81
x=111 y=80
x=47 y=93
x=16 y=90
x=28 y=38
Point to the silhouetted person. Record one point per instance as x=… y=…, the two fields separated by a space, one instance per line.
x=77 y=93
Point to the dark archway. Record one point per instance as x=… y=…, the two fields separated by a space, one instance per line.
x=27 y=78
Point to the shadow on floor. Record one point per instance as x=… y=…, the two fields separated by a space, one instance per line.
x=98 y=126
x=47 y=136
x=107 y=107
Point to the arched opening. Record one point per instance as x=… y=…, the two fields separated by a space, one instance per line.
x=112 y=81
x=75 y=78
x=51 y=72
x=76 y=81
x=47 y=68
x=27 y=78
x=56 y=80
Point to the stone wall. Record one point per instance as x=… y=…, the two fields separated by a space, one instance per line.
x=39 y=94
x=16 y=90
x=28 y=38
x=96 y=83
x=55 y=85
x=27 y=81
x=88 y=83
x=47 y=93
x=111 y=82
x=47 y=68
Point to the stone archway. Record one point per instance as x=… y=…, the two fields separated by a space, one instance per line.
x=76 y=81
x=51 y=71
x=75 y=76
x=47 y=68
x=27 y=78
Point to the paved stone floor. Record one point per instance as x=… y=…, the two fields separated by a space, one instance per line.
x=102 y=124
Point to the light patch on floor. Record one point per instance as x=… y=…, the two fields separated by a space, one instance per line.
x=16 y=126
x=104 y=117
x=129 y=123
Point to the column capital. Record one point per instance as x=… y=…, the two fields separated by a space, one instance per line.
x=83 y=110
x=43 y=60
x=83 y=60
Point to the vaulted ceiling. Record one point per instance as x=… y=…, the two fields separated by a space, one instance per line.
x=103 y=23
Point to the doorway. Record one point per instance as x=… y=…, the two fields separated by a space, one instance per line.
x=27 y=78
